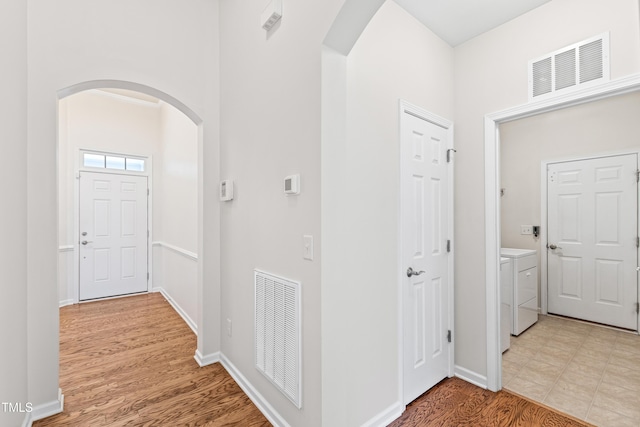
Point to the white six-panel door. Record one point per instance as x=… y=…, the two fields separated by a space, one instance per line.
x=592 y=230
x=113 y=235
x=425 y=216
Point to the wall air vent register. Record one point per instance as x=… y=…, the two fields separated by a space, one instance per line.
x=277 y=333
x=571 y=68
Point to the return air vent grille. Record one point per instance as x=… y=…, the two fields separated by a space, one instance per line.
x=570 y=68
x=542 y=75
x=277 y=333
x=565 y=69
x=591 y=61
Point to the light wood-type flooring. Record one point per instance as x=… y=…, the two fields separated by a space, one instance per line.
x=456 y=403
x=129 y=362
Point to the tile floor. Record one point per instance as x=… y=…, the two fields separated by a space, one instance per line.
x=587 y=371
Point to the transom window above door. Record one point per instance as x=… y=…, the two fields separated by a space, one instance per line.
x=112 y=161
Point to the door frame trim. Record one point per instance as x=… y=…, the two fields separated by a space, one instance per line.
x=620 y=86
x=406 y=107
x=544 y=255
x=78 y=168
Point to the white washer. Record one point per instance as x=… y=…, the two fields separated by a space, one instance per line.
x=525 y=288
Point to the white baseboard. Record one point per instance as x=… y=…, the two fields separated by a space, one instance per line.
x=209 y=359
x=65 y=302
x=387 y=416
x=45 y=410
x=471 y=377
x=263 y=405
x=178 y=309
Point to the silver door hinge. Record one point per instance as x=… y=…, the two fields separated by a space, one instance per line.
x=448 y=245
x=449 y=335
x=638 y=175
x=638 y=307
x=449 y=154
x=147 y=191
x=147 y=276
x=637 y=242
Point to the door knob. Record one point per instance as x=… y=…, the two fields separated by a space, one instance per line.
x=84 y=242
x=553 y=247
x=412 y=272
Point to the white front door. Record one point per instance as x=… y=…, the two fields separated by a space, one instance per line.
x=592 y=248
x=425 y=257
x=113 y=235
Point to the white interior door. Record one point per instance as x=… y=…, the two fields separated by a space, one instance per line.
x=425 y=283
x=113 y=235
x=592 y=230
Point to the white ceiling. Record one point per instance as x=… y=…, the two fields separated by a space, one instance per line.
x=456 y=21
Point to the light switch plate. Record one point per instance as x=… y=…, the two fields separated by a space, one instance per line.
x=308 y=247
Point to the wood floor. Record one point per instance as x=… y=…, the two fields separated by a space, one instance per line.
x=129 y=362
x=455 y=402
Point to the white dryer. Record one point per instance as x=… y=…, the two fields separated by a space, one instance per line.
x=525 y=288
x=506 y=302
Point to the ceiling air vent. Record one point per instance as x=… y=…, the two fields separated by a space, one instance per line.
x=570 y=68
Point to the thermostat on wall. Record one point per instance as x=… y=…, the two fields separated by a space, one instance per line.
x=226 y=190
x=292 y=184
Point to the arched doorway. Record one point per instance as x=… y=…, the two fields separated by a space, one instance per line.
x=159 y=246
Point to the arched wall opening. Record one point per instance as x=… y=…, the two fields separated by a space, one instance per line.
x=120 y=122
x=132 y=86
x=193 y=314
x=70 y=49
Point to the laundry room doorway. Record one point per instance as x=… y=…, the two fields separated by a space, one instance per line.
x=591 y=150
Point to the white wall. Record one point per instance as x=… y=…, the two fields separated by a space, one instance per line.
x=66 y=246
x=595 y=128
x=396 y=57
x=270 y=110
x=166 y=45
x=175 y=226
x=179 y=169
x=13 y=216
x=491 y=75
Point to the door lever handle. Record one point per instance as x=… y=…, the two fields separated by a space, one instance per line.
x=412 y=272
x=84 y=242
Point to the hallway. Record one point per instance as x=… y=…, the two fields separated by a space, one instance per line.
x=129 y=361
